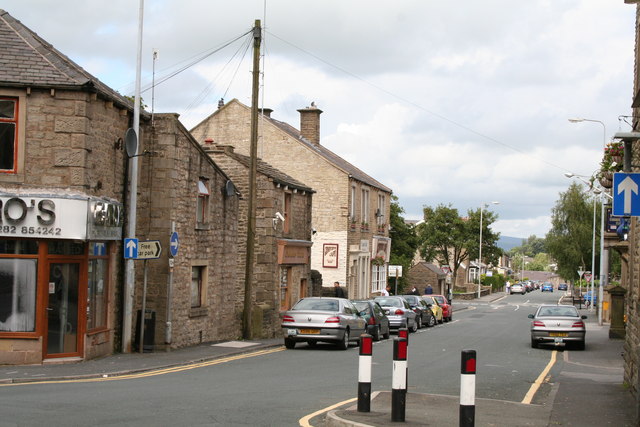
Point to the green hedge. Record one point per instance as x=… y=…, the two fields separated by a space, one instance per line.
x=497 y=281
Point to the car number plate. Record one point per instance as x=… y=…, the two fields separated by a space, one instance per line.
x=291 y=332
x=557 y=340
x=558 y=334
x=309 y=331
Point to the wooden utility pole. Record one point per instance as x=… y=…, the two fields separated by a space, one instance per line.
x=251 y=215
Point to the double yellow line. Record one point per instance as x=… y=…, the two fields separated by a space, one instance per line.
x=154 y=372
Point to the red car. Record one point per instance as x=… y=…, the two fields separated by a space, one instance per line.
x=447 y=309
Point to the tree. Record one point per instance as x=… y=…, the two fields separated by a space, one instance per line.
x=449 y=239
x=530 y=247
x=541 y=262
x=404 y=241
x=570 y=239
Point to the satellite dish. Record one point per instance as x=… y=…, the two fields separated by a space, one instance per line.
x=229 y=189
x=131 y=142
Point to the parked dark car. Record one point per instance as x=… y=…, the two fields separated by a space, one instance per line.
x=424 y=315
x=563 y=287
x=377 y=321
x=315 y=319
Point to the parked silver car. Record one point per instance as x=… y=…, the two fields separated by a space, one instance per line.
x=399 y=312
x=517 y=288
x=558 y=325
x=317 y=319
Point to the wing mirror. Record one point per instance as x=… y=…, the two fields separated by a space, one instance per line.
x=531 y=316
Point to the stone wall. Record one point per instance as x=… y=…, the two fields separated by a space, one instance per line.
x=168 y=193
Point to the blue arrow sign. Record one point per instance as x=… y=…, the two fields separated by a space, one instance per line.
x=130 y=248
x=626 y=198
x=174 y=244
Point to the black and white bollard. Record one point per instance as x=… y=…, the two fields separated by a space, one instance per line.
x=364 y=373
x=468 y=388
x=399 y=380
x=404 y=333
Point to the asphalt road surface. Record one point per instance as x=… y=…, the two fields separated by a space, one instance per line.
x=279 y=388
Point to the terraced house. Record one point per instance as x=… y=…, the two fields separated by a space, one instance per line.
x=63 y=191
x=350 y=217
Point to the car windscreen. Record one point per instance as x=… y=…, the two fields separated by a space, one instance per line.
x=317 y=304
x=439 y=299
x=389 y=302
x=558 y=311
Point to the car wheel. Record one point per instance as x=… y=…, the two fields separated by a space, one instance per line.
x=376 y=334
x=441 y=321
x=414 y=328
x=419 y=323
x=289 y=343
x=344 y=344
x=534 y=343
x=432 y=321
x=312 y=343
x=450 y=318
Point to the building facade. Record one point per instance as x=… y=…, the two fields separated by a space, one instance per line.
x=282 y=269
x=351 y=244
x=63 y=190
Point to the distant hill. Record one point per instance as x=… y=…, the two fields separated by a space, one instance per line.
x=507 y=243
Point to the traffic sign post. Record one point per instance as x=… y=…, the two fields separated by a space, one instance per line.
x=174 y=244
x=149 y=249
x=626 y=198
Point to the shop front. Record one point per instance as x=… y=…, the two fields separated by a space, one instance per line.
x=57 y=266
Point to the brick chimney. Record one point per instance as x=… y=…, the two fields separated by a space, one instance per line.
x=266 y=112
x=310 y=123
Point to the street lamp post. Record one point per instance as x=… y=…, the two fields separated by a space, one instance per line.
x=482 y=206
x=604 y=253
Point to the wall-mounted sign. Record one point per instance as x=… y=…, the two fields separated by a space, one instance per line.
x=56 y=217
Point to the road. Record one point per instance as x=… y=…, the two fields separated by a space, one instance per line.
x=279 y=388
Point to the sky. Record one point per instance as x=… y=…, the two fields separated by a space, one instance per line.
x=459 y=103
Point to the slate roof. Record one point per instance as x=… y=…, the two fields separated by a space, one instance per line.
x=27 y=60
x=434 y=268
x=275 y=174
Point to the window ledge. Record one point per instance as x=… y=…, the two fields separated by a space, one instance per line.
x=203 y=226
x=198 y=312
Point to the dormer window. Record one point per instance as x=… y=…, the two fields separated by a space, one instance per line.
x=8 y=134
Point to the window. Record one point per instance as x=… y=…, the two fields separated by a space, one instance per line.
x=203 y=201
x=378 y=278
x=8 y=134
x=287 y=212
x=18 y=294
x=364 y=210
x=381 y=212
x=197 y=288
x=352 y=204
x=96 y=286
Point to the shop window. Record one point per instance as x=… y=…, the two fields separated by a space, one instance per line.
x=18 y=247
x=97 y=286
x=203 y=202
x=285 y=277
x=198 y=274
x=8 y=134
x=66 y=247
x=18 y=279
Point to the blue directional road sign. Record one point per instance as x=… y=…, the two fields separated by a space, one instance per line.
x=174 y=244
x=626 y=199
x=130 y=248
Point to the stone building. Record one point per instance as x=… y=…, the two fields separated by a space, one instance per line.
x=282 y=272
x=63 y=186
x=423 y=273
x=350 y=209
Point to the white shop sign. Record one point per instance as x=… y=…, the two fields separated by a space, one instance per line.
x=54 y=217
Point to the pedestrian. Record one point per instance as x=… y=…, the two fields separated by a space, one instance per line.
x=385 y=292
x=508 y=286
x=414 y=291
x=339 y=292
x=428 y=290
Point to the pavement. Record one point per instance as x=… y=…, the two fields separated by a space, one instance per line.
x=589 y=391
